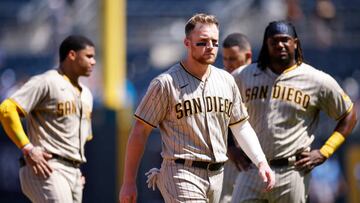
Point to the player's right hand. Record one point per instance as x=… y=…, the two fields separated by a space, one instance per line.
x=37 y=160
x=128 y=193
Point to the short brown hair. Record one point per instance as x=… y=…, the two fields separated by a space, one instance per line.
x=200 y=18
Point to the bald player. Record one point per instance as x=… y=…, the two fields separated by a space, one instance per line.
x=284 y=97
x=193 y=104
x=236 y=54
x=58 y=109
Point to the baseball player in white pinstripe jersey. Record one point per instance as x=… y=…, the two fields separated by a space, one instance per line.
x=192 y=103
x=284 y=96
x=236 y=52
x=58 y=109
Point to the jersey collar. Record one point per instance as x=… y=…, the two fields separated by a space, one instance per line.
x=208 y=74
x=78 y=88
x=273 y=74
x=291 y=68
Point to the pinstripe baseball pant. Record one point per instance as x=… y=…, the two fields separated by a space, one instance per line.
x=290 y=186
x=63 y=185
x=230 y=174
x=183 y=183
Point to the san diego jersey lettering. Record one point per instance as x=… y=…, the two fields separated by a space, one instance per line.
x=290 y=101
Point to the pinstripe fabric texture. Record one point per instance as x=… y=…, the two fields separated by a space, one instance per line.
x=193 y=117
x=291 y=186
x=63 y=185
x=183 y=183
x=230 y=175
x=284 y=112
x=59 y=120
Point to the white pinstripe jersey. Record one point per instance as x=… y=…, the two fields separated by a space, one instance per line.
x=284 y=109
x=58 y=115
x=193 y=115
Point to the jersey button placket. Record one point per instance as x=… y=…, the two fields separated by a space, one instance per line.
x=80 y=123
x=205 y=91
x=271 y=111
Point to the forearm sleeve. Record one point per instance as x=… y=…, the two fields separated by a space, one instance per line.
x=332 y=144
x=11 y=123
x=247 y=139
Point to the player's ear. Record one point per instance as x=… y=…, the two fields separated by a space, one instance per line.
x=296 y=43
x=187 y=42
x=248 y=57
x=72 y=55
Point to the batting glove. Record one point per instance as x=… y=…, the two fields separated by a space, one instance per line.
x=152 y=177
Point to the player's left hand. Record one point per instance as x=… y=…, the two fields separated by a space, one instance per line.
x=309 y=160
x=37 y=159
x=267 y=175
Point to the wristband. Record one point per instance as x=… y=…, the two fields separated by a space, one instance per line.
x=27 y=149
x=331 y=145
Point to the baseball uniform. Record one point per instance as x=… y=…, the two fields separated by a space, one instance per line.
x=193 y=117
x=230 y=169
x=58 y=117
x=284 y=112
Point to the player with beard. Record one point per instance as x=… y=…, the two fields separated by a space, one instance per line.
x=284 y=97
x=193 y=104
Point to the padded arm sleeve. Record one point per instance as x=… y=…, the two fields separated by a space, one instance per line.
x=11 y=122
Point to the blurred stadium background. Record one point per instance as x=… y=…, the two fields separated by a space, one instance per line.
x=150 y=39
